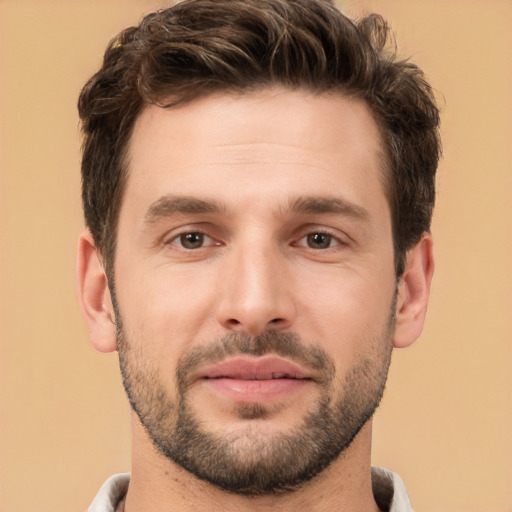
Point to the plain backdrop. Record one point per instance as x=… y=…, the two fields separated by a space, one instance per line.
x=446 y=419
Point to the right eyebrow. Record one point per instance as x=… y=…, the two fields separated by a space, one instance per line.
x=168 y=205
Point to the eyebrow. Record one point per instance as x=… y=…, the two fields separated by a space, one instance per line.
x=334 y=205
x=169 y=205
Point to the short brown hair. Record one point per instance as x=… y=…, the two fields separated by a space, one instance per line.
x=198 y=47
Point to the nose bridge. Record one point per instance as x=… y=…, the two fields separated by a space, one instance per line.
x=255 y=293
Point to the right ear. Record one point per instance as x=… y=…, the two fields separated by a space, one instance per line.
x=94 y=295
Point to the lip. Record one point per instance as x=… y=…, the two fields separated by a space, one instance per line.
x=255 y=368
x=255 y=379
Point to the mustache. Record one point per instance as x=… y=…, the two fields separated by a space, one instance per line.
x=284 y=344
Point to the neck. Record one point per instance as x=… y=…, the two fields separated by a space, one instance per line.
x=159 y=485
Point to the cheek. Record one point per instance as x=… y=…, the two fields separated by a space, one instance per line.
x=163 y=308
x=347 y=315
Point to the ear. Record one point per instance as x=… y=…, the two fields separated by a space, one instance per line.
x=413 y=292
x=94 y=295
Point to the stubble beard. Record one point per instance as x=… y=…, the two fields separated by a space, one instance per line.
x=251 y=462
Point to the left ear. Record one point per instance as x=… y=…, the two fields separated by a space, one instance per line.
x=413 y=292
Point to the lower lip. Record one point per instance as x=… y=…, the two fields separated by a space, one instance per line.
x=256 y=391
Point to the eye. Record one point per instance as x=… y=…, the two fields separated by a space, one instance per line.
x=192 y=240
x=318 y=240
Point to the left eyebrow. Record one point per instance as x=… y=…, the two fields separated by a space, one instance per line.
x=169 y=205
x=336 y=205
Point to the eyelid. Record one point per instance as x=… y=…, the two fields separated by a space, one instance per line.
x=172 y=238
x=207 y=240
x=337 y=237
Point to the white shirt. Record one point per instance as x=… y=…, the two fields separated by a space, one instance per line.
x=388 y=489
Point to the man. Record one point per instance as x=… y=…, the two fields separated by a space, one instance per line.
x=258 y=185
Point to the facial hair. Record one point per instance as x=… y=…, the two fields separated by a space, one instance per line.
x=252 y=462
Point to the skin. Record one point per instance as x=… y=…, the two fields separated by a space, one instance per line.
x=256 y=156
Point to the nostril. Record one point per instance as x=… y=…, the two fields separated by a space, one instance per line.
x=276 y=320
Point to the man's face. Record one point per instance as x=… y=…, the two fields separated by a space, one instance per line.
x=254 y=283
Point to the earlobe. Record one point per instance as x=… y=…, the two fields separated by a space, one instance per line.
x=94 y=295
x=413 y=292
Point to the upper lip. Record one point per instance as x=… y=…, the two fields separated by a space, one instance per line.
x=255 y=368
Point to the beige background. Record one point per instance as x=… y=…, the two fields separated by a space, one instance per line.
x=445 y=423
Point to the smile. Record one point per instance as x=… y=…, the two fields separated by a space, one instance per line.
x=269 y=376
x=255 y=379
x=255 y=368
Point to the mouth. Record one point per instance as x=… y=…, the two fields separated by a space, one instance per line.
x=255 y=368
x=257 y=376
x=255 y=379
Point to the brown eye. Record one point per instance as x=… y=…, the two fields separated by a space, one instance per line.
x=319 y=240
x=191 y=240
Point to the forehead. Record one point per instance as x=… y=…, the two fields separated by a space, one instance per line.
x=289 y=140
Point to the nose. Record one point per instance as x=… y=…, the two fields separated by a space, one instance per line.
x=255 y=292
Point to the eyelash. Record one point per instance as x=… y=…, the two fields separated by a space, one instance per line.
x=334 y=241
x=179 y=240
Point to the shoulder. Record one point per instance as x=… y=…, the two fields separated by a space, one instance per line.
x=389 y=491
x=110 y=493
